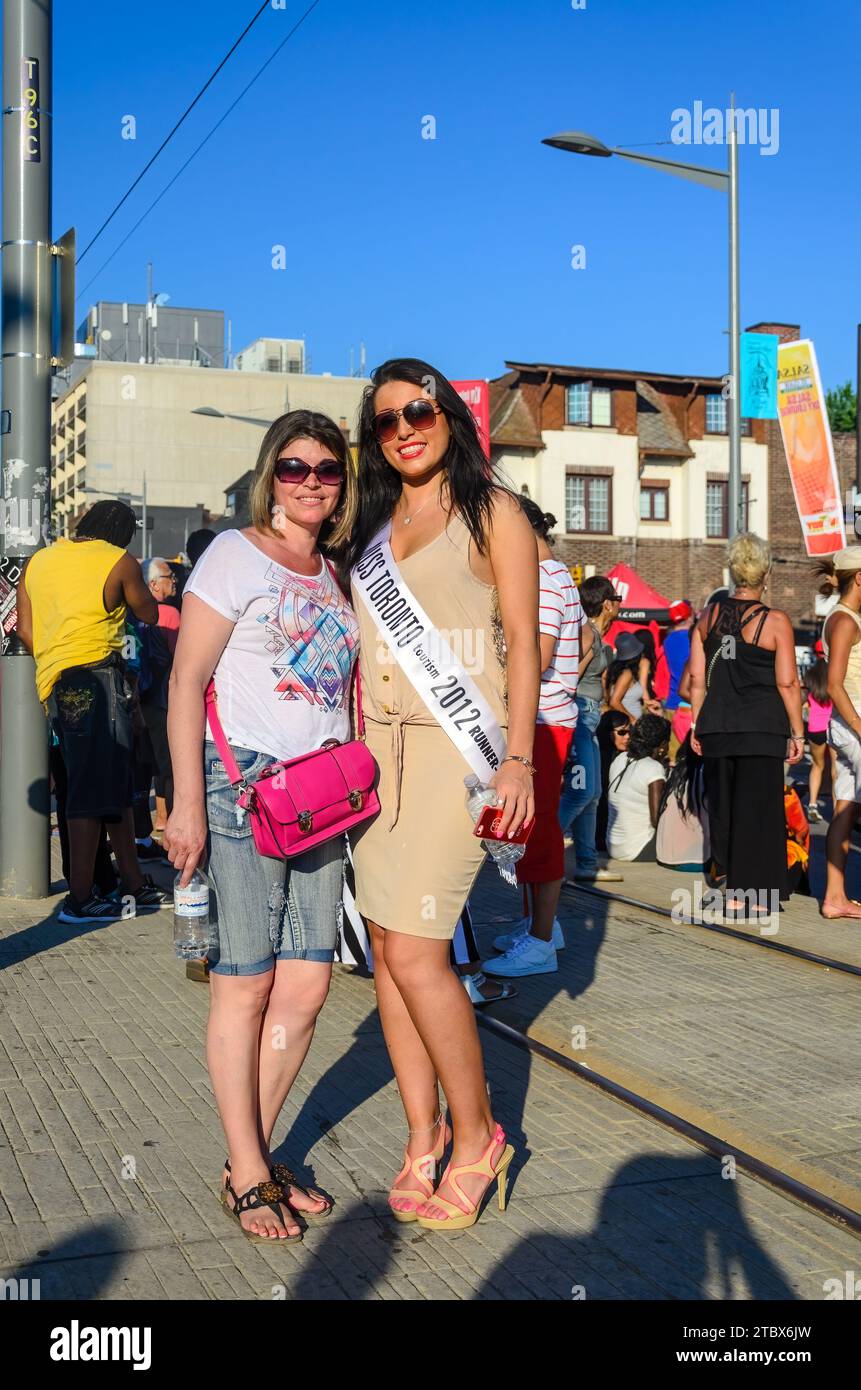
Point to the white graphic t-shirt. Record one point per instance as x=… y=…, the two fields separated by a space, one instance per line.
x=283 y=679
x=561 y=616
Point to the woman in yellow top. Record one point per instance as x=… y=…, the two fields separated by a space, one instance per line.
x=461 y=549
x=72 y=602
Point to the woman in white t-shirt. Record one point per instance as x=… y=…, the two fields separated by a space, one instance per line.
x=636 y=783
x=265 y=617
x=531 y=948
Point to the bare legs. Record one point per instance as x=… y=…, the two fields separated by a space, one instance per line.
x=260 y=1028
x=431 y=1034
x=835 y=903
x=817 y=768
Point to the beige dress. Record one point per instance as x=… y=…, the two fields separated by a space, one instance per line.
x=416 y=862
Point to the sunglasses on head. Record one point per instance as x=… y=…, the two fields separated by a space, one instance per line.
x=420 y=414
x=330 y=472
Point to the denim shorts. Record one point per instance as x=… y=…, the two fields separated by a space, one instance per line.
x=266 y=909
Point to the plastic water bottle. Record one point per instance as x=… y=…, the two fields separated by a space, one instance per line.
x=192 y=931
x=504 y=853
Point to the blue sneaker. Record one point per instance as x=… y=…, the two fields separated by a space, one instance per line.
x=528 y=956
x=507 y=940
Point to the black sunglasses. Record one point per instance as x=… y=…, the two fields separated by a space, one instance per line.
x=330 y=472
x=420 y=414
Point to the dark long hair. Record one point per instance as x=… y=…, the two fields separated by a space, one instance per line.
x=685 y=782
x=647 y=637
x=617 y=666
x=470 y=481
x=816 y=680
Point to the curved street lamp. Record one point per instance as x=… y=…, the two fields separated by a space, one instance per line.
x=726 y=181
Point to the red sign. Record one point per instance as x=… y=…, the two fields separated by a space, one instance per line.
x=476 y=394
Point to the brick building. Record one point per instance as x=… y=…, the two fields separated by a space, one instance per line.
x=635 y=467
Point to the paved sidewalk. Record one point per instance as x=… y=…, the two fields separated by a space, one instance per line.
x=756 y=1047
x=800 y=925
x=110 y=1150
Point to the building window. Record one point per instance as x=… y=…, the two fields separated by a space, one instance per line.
x=717 y=509
x=578 y=403
x=654 y=502
x=588 y=404
x=588 y=503
x=602 y=405
x=716 y=416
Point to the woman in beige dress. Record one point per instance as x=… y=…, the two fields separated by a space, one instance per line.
x=468 y=555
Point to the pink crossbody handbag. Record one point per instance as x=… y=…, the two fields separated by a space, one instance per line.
x=300 y=803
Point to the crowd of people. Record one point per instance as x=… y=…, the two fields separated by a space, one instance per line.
x=332 y=615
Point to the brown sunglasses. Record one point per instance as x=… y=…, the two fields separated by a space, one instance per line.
x=420 y=414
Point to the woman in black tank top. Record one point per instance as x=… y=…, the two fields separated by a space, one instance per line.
x=746 y=705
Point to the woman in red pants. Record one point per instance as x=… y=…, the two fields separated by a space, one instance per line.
x=531 y=948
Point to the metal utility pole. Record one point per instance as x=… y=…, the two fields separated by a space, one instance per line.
x=726 y=181
x=144 y=544
x=734 y=497
x=858 y=414
x=26 y=449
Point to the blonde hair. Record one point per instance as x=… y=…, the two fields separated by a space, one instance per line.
x=749 y=560
x=304 y=424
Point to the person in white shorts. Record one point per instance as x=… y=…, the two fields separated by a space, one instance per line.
x=841 y=641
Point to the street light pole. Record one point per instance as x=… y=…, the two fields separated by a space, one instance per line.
x=734 y=492
x=26 y=449
x=726 y=181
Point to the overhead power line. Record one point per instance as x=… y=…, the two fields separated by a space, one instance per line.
x=196 y=152
x=208 y=83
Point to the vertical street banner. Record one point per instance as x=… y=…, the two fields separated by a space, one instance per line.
x=759 y=376
x=809 y=451
x=476 y=394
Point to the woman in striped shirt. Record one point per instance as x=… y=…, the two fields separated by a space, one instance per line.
x=531 y=948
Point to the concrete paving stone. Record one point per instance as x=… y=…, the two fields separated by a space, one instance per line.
x=50 y=1188
x=178 y=1281
x=121 y=1062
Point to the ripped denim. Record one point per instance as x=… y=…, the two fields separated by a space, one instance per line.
x=265 y=909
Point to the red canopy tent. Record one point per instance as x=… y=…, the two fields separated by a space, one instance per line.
x=642 y=606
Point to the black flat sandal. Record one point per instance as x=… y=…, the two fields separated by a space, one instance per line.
x=263 y=1194
x=286 y=1178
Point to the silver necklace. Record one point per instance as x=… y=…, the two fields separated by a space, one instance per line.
x=409 y=519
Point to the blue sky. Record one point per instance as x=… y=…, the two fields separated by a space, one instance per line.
x=458 y=249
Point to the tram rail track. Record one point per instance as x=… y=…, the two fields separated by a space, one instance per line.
x=721 y=928
x=763 y=1169
x=759 y=1169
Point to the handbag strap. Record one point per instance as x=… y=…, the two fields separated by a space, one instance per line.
x=230 y=763
x=360 y=718
x=231 y=766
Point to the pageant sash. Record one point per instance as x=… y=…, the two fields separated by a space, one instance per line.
x=427 y=660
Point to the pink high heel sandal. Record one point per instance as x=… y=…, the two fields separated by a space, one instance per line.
x=465 y=1211
x=425 y=1171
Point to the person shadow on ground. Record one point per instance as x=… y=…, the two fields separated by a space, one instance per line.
x=668 y=1226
